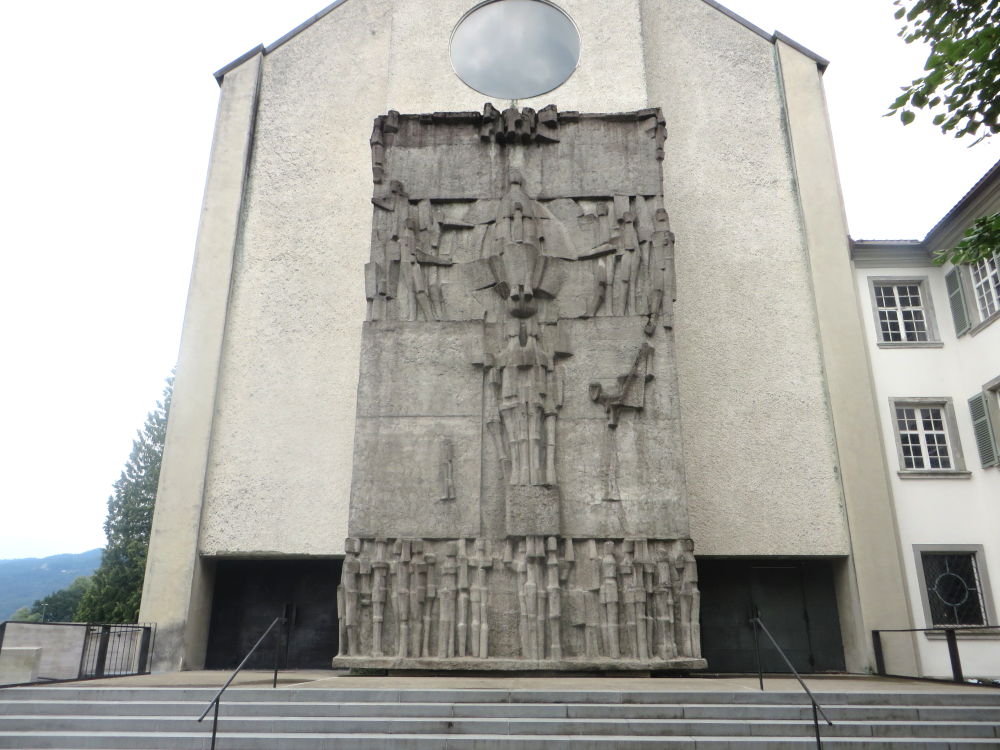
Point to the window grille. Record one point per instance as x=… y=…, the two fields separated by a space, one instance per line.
x=954 y=592
x=986 y=282
x=923 y=437
x=901 y=314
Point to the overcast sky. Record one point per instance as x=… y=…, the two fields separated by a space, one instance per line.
x=107 y=120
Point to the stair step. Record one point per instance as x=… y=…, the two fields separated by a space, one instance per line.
x=381 y=741
x=294 y=718
x=498 y=726
x=506 y=710
x=978 y=697
x=509 y=710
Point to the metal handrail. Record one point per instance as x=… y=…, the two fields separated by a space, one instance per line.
x=756 y=621
x=215 y=701
x=951 y=636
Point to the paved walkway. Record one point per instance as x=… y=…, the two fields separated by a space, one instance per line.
x=318 y=678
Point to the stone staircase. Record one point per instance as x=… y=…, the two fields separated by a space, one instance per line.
x=96 y=718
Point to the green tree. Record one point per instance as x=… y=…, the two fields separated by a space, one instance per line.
x=961 y=78
x=25 y=614
x=59 y=606
x=961 y=84
x=116 y=585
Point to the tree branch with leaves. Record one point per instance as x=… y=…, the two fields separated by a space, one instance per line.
x=961 y=80
x=961 y=85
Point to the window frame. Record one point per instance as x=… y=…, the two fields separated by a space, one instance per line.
x=968 y=299
x=991 y=282
x=926 y=304
x=985 y=589
x=990 y=394
x=946 y=404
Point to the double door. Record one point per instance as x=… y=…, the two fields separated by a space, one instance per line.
x=797 y=602
x=249 y=594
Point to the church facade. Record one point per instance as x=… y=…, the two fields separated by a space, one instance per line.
x=592 y=360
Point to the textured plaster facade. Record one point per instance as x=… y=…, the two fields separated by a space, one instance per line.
x=177 y=587
x=748 y=354
x=758 y=440
x=758 y=430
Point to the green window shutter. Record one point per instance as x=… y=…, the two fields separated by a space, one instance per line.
x=985 y=440
x=956 y=298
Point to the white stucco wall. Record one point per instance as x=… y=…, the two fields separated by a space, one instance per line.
x=759 y=449
x=760 y=455
x=933 y=511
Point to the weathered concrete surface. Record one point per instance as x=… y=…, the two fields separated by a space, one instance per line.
x=589 y=565
x=520 y=665
x=61 y=646
x=19 y=664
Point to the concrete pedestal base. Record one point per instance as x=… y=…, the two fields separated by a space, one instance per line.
x=471 y=664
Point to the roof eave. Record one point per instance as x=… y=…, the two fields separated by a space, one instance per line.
x=886 y=253
x=985 y=183
x=821 y=62
x=260 y=48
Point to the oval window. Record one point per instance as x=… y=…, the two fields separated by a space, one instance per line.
x=515 y=49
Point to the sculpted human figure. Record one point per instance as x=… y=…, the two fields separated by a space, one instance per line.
x=401 y=596
x=531 y=590
x=663 y=602
x=480 y=598
x=553 y=595
x=349 y=588
x=589 y=576
x=609 y=601
x=380 y=570
x=463 y=599
x=690 y=599
x=519 y=564
x=447 y=586
x=418 y=595
x=523 y=381
x=429 y=559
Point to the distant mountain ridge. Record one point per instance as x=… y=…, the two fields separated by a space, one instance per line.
x=24 y=580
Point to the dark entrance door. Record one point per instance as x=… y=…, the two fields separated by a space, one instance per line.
x=795 y=599
x=249 y=594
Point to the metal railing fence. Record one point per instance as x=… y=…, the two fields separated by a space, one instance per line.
x=951 y=638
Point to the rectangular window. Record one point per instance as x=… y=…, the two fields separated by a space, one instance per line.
x=900 y=312
x=927 y=438
x=954 y=593
x=922 y=437
x=904 y=315
x=986 y=283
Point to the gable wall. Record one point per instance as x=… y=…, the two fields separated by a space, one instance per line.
x=760 y=456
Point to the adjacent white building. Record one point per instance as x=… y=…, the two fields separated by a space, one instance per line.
x=933 y=334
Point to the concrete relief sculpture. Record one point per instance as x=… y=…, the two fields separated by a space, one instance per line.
x=518 y=501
